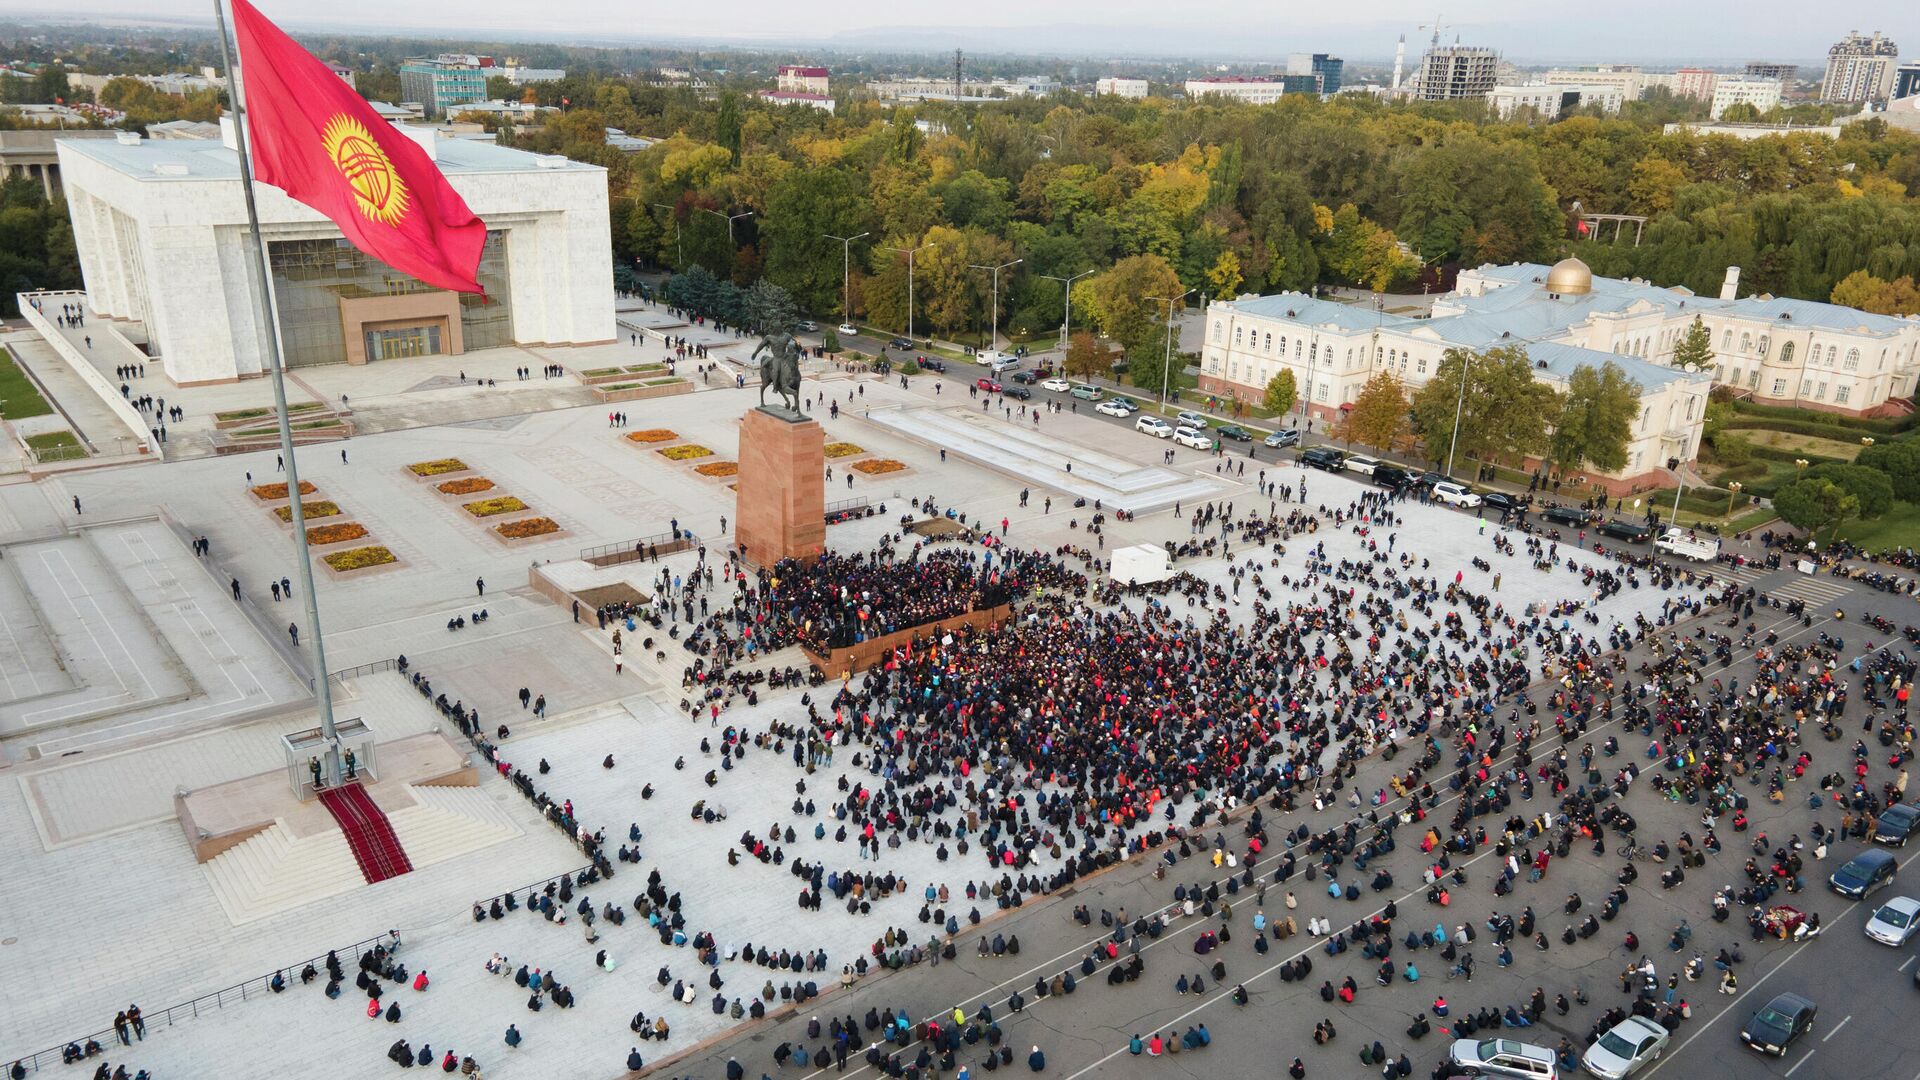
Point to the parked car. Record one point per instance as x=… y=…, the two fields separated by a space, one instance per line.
x=1391 y=476
x=1505 y=1057
x=1500 y=500
x=990 y=386
x=931 y=363
x=1571 y=516
x=1057 y=384
x=808 y=325
x=1089 y=392
x=1120 y=407
x=1630 y=531
x=1154 y=426
x=1778 y=1023
x=997 y=362
x=1026 y=378
x=1893 y=922
x=1625 y=1047
x=1192 y=420
x=1864 y=873
x=1323 y=457
x=1281 y=439
x=1193 y=437
x=900 y=343
x=1236 y=433
x=1019 y=392
x=1454 y=493
x=1896 y=824
x=848 y=330
x=1362 y=464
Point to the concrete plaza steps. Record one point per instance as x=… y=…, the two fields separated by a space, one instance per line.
x=276 y=871
x=447 y=822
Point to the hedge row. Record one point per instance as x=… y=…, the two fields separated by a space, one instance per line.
x=1856 y=425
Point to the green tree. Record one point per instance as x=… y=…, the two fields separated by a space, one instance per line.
x=1596 y=419
x=1872 y=488
x=1900 y=461
x=1815 y=504
x=726 y=125
x=1695 y=349
x=803 y=208
x=770 y=308
x=1379 y=414
x=830 y=340
x=1281 y=392
x=1504 y=412
x=1119 y=302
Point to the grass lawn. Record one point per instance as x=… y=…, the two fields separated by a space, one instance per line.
x=1802 y=444
x=17 y=391
x=56 y=446
x=1900 y=527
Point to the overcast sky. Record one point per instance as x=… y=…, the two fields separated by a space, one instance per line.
x=1522 y=29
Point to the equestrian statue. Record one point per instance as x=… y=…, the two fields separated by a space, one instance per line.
x=780 y=369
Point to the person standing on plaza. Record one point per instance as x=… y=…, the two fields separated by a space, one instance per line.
x=480 y=586
x=139 y=1023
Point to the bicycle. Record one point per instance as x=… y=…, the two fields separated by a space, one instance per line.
x=1636 y=853
x=1463 y=967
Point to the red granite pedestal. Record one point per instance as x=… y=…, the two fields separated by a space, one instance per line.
x=782 y=508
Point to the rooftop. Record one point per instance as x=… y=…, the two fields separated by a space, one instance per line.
x=170 y=159
x=1305 y=309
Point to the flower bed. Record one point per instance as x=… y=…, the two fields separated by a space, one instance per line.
x=685 y=452
x=876 y=466
x=503 y=504
x=652 y=435
x=275 y=492
x=438 y=467
x=322 y=508
x=521 y=530
x=470 y=485
x=718 y=468
x=336 y=534
x=359 y=558
x=842 y=449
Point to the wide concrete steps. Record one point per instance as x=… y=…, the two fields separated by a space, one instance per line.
x=447 y=822
x=276 y=871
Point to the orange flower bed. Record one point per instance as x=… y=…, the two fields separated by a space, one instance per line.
x=335 y=534
x=279 y=491
x=437 y=467
x=520 y=530
x=876 y=466
x=652 y=435
x=718 y=468
x=472 y=485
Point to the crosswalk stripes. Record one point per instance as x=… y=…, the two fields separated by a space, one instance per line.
x=1744 y=575
x=1812 y=590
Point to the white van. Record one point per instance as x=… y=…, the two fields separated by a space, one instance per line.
x=1362 y=465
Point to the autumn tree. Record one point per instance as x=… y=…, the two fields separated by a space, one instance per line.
x=1085 y=357
x=1504 y=412
x=1866 y=292
x=1121 y=302
x=1596 y=419
x=1379 y=414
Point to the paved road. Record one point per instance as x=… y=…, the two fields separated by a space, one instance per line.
x=1861 y=986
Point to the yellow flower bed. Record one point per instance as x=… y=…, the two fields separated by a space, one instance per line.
x=843 y=449
x=520 y=530
x=336 y=534
x=359 y=558
x=469 y=485
x=279 y=491
x=876 y=466
x=718 y=468
x=323 y=508
x=653 y=435
x=686 y=452
x=504 y=504
x=436 y=468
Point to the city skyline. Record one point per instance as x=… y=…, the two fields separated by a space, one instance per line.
x=1635 y=31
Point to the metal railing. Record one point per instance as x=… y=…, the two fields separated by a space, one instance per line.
x=187 y=1010
x=364 y=669
x=848 y=507
x=626 y=551
x=524 y=894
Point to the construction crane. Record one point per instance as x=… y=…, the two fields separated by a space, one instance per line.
x=1436 y=26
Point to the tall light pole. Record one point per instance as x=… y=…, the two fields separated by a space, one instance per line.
x=1066 y=320
x=1166 y=365
x=846 y=274
x=679 y=252
x=1459 y=405
x=730 y=219
x=908 y=252
x=995 y=326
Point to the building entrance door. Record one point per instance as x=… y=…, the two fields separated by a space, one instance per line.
x=400 y=342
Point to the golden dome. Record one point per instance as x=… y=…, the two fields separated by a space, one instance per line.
x=1570 y=277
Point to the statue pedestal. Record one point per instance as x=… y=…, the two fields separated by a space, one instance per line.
x=782 y=508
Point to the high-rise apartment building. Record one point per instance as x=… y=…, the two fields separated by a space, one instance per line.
x=1456 y=73
x=1762 y=69
x=1695 y=83
x=1327 y=68
x=439 y=84
x=1860 y=68
x=1762 y=94
x=1906 y=80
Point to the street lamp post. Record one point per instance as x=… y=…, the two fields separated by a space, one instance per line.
x=1066 y=320
x=1166 y=364
x=1459 y=406
x=909 y=252
x=730 y=219
x=846 y=274
x=679 y=252
x=995 y=270
x=1733 y=492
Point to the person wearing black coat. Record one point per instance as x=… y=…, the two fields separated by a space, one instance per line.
x=634 y=1061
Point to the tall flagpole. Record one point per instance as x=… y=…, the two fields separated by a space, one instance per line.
x=276 y=365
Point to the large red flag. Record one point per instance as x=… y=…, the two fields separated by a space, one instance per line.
x=314 y=138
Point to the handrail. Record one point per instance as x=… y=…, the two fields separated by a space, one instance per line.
x=573 y=874
x=848 y=504
x=343 y=674
x=188 y=1009
x=624 y=551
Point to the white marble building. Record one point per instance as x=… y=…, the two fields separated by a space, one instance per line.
x=161 y=232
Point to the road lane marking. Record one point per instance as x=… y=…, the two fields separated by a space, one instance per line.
x=1837 y=1027
x=1802 y=1061
x=1906 y=964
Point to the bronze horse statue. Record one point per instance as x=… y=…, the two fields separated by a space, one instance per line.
x=780 y=369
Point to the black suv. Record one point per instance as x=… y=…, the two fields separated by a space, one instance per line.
x=931 y=363
x=1565 y=515
x=1500 y=500
x=1631 y=531
x=1896 y=824
x=1324 y=457
x=1392 y=476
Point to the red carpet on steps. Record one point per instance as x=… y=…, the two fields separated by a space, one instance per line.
x=375 y=847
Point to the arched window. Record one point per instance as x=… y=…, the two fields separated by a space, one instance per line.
x=1726 y=341
x=1219 y=332
x=1764 y=340
x=1853 y=360
x=1786 y=353
x=1283 y=344
x=1746 y=343
x=1236 y=337
x=1269 y=341
x=1833 y=355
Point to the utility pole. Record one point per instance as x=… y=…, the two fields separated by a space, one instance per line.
x=679 y=252
x=1166 y=365
x=995 y=326
x=1459 y=406
x=909 y=252
x=846 y=274
x=1066 y=320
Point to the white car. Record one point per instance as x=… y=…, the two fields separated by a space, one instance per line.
x=1625 y=1047
x=1056 y=384
x=848 y=329
x=1455 y=494
x=1362 y=464
x=1154 y=426
x=1113 y=408
x=1193 y=437
x=1893 y=923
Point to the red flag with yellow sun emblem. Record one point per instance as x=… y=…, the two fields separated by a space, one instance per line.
x=314 y=138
